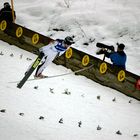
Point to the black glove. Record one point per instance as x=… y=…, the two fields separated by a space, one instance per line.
x=41 y=54
x=101 y=51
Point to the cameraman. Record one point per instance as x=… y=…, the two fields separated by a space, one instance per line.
x=118 y=58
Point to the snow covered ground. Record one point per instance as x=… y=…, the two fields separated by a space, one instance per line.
x=34 y=111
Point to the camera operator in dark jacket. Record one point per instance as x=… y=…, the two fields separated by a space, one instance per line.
x=118 y=58
x=6 y=13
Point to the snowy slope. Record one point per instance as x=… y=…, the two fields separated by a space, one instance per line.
x=50 y=101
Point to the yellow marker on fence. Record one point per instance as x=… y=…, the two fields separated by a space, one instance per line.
x=85 y=60
x=3 y=25
x=121 y=75
x=19 y=32
x=68 y=53
x=35 y=39
x=103 y=68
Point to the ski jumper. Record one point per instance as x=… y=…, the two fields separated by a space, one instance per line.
x=50 y=51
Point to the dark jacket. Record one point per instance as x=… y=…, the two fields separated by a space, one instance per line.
x=118 y=58
x=6 y=14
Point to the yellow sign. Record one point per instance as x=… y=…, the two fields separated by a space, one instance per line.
x=85 y=60
x=68 y=53
x=103 y=68
x=19 y=32
x=35 y=39
x=121 y=75
x=3 y=25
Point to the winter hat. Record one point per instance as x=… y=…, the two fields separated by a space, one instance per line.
x=6 y=4
x=121 y=46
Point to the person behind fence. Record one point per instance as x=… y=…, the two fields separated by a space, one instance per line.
x=118 y=58
x=6 y=13
x=50 y=52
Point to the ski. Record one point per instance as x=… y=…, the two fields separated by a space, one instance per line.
x=53 y=76
x=27 y=75
x=32 y=79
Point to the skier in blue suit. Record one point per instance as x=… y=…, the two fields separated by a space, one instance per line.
x=51 y=51
x=118 y=58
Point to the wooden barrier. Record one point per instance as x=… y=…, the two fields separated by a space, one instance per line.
x=22 y=37
x=101 y=72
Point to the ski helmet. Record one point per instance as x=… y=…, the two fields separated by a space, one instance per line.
x=68 y=40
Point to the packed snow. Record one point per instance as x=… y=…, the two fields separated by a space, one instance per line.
x=70 y=107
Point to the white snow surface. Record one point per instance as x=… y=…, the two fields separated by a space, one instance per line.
x=107 y=21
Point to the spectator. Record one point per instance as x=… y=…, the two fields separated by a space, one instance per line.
x=6 y=13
